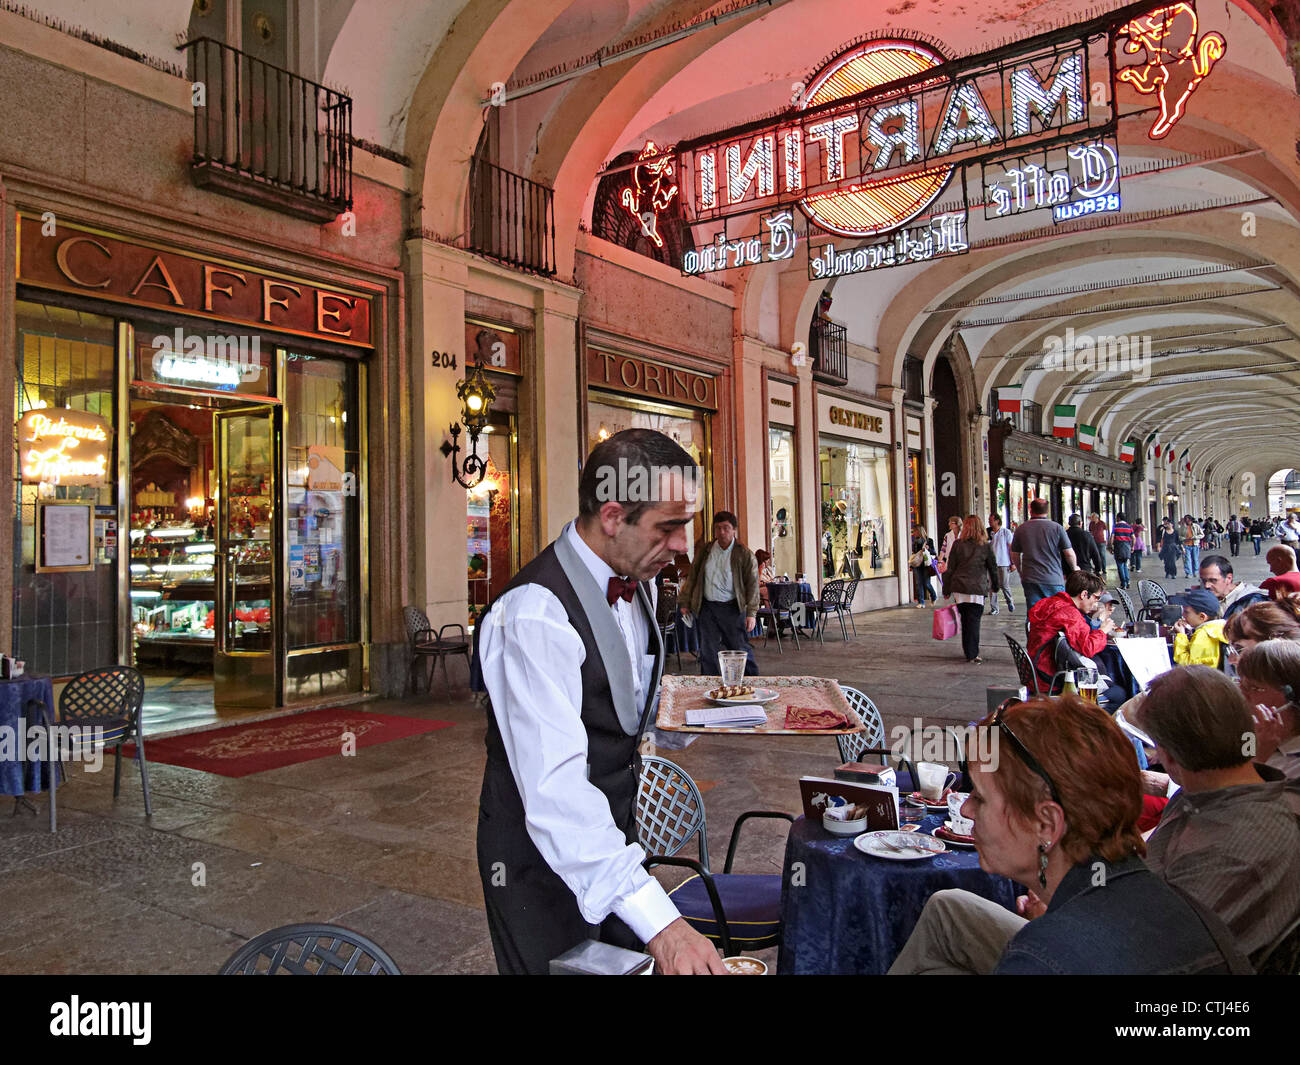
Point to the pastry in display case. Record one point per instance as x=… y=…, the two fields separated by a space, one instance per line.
x=172 y=592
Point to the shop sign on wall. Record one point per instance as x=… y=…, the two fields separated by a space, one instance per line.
x=835 y=417
x=496 y=347
x=776 y=241
x=90 y=262
x=641 y=377
x=63 y=447
x=1033 y=458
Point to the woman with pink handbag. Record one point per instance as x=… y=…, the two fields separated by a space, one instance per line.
x=972 y=574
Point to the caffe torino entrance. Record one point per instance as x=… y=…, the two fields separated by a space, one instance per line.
x=233 y=534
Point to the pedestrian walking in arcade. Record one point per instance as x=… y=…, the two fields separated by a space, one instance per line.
x=972 y=574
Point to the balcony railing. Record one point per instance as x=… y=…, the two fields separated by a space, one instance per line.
x=266 y=135
x=511 y=218
x=828 y=344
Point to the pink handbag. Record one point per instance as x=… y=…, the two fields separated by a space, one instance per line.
x=945 y=623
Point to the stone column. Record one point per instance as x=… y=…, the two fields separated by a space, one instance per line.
x=808 y=464
x=751 y=441
x=439 y=276
x=902 y=522
x=560 y=452
x=932 y=487
x=979 y=502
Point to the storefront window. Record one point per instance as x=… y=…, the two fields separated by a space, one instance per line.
x=1018 y=514
x=857 y=510
x=783 y=532
x=1004 y=500
x=65 y=622
x=607 y=415
x=915 y=516
x=323 y=503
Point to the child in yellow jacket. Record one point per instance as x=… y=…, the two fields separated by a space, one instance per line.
x=1198 y=637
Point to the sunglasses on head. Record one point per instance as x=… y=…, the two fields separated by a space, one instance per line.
x=1033 y=763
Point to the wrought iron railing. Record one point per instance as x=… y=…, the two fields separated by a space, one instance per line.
x=257 y=126
x=829 y=346
x=511 y=218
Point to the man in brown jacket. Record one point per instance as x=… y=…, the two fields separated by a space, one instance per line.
x=722 y=595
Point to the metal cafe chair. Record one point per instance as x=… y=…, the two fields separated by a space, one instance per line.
x=854 y=745
x=741 y=911
x=831 y=602
x=780 y=599
x=1126 y=602
x=668 y=618
x=111 y=698
x=849 y=593
x=424 y=643
x=1154 y=597
x=310 y=950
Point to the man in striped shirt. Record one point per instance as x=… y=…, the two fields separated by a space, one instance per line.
x=1121 y=546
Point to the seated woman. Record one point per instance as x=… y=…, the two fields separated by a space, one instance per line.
x=1071 y=612
x=1056 y=807
x=1269 y=677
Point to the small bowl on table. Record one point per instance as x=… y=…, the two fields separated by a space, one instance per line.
x=844 y=828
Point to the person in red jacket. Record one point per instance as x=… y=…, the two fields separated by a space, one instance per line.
x=1068 y=612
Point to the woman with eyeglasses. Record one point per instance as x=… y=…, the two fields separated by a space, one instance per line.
x=1055 y=808
x=1259 y=622
x=1269 y=677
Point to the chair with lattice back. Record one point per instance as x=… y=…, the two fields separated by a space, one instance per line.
x=781 y=599
x=1154 y=597
x=740 y=911
x=424 y=643
x=668 y=618
x=1024 y=666
x=310 y=950
x=850 y=593
x=1127 y=603
x=831 y=602
x=871 y=740
x=111 y=699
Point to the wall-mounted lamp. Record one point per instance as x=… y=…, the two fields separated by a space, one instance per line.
x=475 y=394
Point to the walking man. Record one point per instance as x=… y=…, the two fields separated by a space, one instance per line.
x=1000 y=541
x=1040 y=550
x=1097 y=530
x=570 y=657
x=1121 y=546
x=722 y=595
x=1234 y=535
x=1192 y=534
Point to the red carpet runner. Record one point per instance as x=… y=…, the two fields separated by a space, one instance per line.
x=243 y=749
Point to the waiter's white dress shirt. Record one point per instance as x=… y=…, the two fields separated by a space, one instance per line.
x=719 y=585
x=531 y=659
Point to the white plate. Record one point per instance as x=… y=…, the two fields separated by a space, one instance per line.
x=907 y=846
x=760 y=697
x=955 y=843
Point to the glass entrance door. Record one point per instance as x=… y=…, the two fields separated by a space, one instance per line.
x=247 y=622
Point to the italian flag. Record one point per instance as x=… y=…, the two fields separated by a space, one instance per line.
x=1063 y=421
x=1087 y=437
x=1151 y=439
x=1009 y=400
x=1128 y=451
x=1173 y=457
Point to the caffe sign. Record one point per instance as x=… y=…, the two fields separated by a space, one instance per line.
x=63 y=447
x=1034 y=458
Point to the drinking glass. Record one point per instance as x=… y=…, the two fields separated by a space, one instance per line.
x=731 y=664
x=1087 y=682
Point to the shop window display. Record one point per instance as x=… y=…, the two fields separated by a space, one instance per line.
x=857 y=511
x=783 y=533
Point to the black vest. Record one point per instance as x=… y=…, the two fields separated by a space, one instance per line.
x=612 y=761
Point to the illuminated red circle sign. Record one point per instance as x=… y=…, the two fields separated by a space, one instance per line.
x=874 y=206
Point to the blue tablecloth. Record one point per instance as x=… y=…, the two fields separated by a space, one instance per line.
x=851 y=913
x=17 y=775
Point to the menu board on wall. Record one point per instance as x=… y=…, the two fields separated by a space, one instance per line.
x=63 y=536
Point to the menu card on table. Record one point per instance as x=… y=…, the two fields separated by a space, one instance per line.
x=881 y=802
x=727 y=716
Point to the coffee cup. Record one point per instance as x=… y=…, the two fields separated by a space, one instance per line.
x=741 y=965
x=956 y=822
x=933 y=779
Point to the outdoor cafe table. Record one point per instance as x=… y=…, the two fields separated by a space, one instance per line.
x=851 y=913
x=18 y=776
x=681 y=693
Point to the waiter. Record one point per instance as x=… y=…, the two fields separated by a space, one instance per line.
x=571 y=658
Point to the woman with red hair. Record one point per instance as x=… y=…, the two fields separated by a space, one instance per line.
x=1055 y=807
x=972 y=574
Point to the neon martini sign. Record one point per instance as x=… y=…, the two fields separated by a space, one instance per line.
x=884 y=127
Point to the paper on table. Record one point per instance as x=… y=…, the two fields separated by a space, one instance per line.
x=1146 y=656
x=727 y=716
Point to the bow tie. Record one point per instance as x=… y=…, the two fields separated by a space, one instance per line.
x=620 y=588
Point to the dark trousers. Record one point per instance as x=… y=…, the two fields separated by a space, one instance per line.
x=970 y=614
x=921 y=585
x=722 y=628
x=1234 y=542
x=1137 y=561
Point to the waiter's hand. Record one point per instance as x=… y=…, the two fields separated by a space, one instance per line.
x=751 y=624
x=679 y=950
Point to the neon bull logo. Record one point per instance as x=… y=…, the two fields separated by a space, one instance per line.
x=651 y=191
x=1176 y=62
